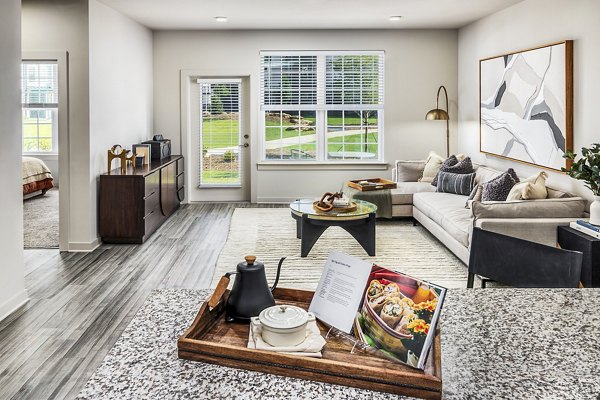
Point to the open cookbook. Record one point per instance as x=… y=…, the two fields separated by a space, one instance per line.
x=391 y=311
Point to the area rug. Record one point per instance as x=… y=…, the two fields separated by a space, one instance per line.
x=271 y=233
x=40 y=221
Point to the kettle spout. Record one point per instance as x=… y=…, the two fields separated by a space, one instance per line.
x=278 y=272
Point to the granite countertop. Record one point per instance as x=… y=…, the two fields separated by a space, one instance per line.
x=496 y=343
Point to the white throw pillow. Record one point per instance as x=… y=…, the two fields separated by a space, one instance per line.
x=531 y=188
x=432 y=166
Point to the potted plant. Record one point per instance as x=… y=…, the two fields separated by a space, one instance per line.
x=587 y=169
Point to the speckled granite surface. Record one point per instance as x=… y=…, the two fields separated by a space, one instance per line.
x=496 y=343
x=521 y=343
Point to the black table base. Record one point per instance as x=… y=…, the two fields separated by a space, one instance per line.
x=309 y=230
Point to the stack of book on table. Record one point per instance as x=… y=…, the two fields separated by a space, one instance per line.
x=587 y=228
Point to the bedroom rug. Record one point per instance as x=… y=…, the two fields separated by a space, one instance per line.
x=40 y=221
x=271 y=233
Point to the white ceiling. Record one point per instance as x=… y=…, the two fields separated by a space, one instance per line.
x=307 y=14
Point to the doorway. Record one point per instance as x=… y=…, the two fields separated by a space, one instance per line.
x=44 y=84
x=219 y=140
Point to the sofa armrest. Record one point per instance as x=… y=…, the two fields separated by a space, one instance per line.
x=408 y=170
x=539 y=230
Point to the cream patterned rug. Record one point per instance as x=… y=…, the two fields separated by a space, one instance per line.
x=270 y=233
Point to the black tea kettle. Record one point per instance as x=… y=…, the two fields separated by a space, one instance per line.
x=250 y=293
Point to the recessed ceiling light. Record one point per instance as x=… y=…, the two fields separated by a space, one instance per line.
x=395 y=17
x=221 y=19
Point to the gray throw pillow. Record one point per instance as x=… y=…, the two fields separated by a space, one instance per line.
x=498 y=188
x=464 y=166
x=512 y=173
x=449 y=182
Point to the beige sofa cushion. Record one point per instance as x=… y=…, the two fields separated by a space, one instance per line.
x=572 y=207
x=403 y=194
x=448 y=211
x=485 y=174
x=409 y=171
x=531 y=188
x=432 y=166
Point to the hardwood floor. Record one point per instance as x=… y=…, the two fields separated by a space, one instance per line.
x=81 y=302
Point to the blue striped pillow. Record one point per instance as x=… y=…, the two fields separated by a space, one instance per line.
x=449 y=182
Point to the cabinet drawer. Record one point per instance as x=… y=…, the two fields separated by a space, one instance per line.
x=151 y=184
x=151 y=202
x=152 y=220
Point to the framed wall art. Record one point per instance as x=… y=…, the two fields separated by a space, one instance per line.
x=526 y=105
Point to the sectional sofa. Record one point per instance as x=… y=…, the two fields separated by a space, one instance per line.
x=451 y=220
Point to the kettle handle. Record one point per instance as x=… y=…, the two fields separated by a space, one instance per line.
x=217 y=295
x=278 y=271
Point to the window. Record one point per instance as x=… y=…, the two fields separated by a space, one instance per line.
x=220 y=132
x=39 y=93
x=322 y=106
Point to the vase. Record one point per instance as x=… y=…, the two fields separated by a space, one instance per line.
x=595 y=211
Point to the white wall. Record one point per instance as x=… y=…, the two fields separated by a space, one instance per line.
x=120 y=85
x=525 y=25
x=110 y=92
x=62 y=25
x=12 y=285
x=417 y=62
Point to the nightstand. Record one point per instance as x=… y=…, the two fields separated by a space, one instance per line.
x=572 y=239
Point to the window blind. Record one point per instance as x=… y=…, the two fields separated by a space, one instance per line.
x=322 y=80
x=39 y=84
x=289 y=80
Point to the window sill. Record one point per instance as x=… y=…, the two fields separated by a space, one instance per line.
x=43 y=156
x=317 y=165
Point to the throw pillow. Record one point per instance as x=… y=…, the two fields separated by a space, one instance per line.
x=498 y=188
x=512 y=173
x=449 y=182
x=464 y=166
x=432 y=166
x=531 y=188
x=475 y=195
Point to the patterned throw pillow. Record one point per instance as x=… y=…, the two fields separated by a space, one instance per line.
x=512 y=173
x=498 y=188
x=449 y=182
x=464 y=166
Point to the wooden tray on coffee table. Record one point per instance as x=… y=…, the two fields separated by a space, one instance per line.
x=211 y=339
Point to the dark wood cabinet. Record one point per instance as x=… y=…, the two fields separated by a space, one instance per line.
x=133 y=205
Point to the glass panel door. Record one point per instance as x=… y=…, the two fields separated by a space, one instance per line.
x=220 y=133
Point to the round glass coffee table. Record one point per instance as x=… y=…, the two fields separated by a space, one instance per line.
x=311 y=223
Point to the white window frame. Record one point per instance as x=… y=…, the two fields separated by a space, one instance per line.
x=321 y=111
x=54 y=110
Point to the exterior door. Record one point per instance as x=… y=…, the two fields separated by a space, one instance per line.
x=223 y=142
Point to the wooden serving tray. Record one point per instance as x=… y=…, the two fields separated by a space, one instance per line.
x=211 y=339
x=377 y=184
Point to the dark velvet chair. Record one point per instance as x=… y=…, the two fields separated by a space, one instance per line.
x=521 y=263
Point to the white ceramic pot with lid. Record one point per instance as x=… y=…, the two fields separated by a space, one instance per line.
x=284 y=325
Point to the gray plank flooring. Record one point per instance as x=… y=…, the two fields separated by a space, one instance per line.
x=81 y=302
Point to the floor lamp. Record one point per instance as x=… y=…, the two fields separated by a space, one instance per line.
x=438 y=114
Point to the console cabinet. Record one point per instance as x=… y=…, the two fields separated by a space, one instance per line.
x=133 y=205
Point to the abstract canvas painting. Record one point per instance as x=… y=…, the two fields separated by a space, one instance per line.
x=526 y=105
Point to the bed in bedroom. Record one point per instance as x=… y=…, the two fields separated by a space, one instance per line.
x=36 y=176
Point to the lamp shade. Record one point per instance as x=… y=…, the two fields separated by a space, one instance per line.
x=437 y=114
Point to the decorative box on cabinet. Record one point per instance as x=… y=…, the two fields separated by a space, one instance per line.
x=132 y=206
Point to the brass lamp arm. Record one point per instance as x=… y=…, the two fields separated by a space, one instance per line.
x=437 y=98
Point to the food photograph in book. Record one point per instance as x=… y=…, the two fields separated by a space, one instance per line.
x=398 y=315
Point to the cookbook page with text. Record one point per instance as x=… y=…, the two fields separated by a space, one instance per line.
x=340 y=290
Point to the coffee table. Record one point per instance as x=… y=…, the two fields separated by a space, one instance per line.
x=311 y=223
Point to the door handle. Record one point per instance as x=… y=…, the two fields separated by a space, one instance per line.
x=244 y=145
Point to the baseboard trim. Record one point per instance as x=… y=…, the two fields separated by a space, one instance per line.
x=13 y=304
x=281 y=200
x=84 y=247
